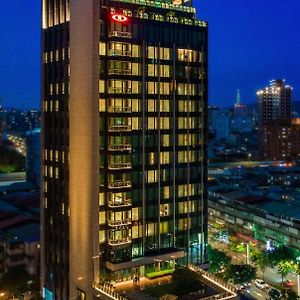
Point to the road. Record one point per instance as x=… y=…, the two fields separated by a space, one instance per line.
x=270 y=275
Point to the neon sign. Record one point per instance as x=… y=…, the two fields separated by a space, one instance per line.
x=119 y=18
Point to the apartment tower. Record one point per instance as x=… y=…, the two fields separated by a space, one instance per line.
x=124 y=141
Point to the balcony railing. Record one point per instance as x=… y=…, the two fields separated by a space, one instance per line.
x=119 y=128
x=119 y=72
x=119 y=184
x=121 y=34
x=117 y=223
x=113 y=52
x=120 y=147
x=119 y=241
x=119 y=166
x=119 y=109
x=116 y=90
x=120 y=203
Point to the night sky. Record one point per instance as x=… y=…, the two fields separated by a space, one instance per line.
x=251 y=42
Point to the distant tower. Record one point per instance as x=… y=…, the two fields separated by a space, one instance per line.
x=238 y=97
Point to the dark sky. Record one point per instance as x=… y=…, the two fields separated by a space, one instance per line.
x=251 y=42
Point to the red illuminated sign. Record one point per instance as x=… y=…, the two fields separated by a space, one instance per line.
x=119 y=18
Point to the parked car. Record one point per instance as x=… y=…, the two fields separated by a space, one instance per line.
x=274 y=294
x=259 y=283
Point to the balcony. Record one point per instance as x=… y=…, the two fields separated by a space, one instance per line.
x=119 y=128
x=118 y=223
x=119 y=242
x=120 y=34
x=119 y=184
x=119 y=203
x=117 y=90
x=119 y=109
x=120 y=147
x=113 y=52
x=119 y=166
x=119 y=72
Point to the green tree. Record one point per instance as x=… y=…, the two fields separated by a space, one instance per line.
x=284 y=268
x=240 y=274
x=282 y=253
x=217 y=259
x=261 y=260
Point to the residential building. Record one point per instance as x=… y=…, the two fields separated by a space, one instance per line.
x=124 y=133
x=274 y=102
x=281 y=140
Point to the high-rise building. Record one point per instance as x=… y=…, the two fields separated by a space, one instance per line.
x=124 y=135
x=221 y=123
x=274 y=102
x=274 y=118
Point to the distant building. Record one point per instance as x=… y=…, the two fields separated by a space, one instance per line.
x=274 y=102
x=20 y=247
x=281 y=140
x=254 y=219
x=33 y=156
x=277 y=134
x=221 y=123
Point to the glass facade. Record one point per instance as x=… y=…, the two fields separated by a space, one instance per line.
x=152 y=108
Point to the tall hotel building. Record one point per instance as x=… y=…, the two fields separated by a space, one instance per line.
x=274 y=102
x=124 y=135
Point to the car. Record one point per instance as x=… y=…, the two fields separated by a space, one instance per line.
x=288 y=283
x=274 y=294
x=259 y=283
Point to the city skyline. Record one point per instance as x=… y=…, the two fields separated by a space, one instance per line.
x=243 y=45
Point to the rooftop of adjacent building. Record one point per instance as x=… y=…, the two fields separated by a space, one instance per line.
x=272 y=188
x=28 y=233
x=275 y=85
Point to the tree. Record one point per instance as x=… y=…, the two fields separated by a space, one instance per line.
x=261 y=260
x=284 y=267
x=217 y=259
x=280 y=254
x=240 y=274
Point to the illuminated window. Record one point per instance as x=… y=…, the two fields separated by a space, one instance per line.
x=151 y=52
x=101 y=86
x=151 y=158
x=152 y=176
x=135 y=51
x=151 y=105
x=102 y=106
x=135 y=69
x=135 y=123
x=164 y=210
x=102 y=48
x=165 y=140
x=166 y=191
x=164 y=158
x=101 y=199
x=101 y=236
x=150 y=228
x=102 y=217
x=135 y=214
